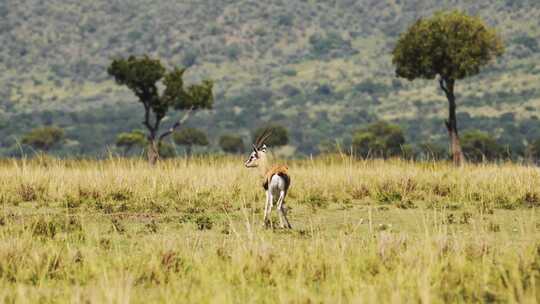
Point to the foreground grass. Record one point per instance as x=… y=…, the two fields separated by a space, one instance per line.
x=120 y=231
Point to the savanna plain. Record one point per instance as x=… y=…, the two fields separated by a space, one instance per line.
x=190 y=230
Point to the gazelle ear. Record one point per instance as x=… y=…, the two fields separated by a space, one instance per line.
x=263 y=148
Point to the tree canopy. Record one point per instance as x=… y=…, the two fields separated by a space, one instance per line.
x=190 y=137
x=44 y=138
x=452 y=45
x=479 y=146
x=379 y=139
x=130 y=140
x=231 y=143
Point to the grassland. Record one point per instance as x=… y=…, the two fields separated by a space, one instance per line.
x=119 y=231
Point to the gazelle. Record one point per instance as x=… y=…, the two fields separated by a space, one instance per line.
x=276 y=180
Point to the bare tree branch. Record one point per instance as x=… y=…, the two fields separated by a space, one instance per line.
x=443 y=86
x=177 y=124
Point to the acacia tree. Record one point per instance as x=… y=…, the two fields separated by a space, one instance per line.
x=479 y=146
x=142 y=76
x=231 y=143
x=44 y=138
x=130 y=140
x=450 y=46
x=190 y=137
x=379 y=139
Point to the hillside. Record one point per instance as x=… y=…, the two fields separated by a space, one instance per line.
x=322 y=68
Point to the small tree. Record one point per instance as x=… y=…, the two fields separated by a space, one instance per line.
x=231 y=143
x=479 y=146
x=130 y=140
x=329 y=146
x=142 y=76
x=432 y=151
x=452 y=46
x=533 y=151
x=280 y=135
x=379 y=139
x=44 y=138
x=190 y=137
x=166 y=150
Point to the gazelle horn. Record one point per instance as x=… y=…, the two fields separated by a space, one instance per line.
x=263 y=137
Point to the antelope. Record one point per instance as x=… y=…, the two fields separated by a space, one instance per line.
x=276 y=180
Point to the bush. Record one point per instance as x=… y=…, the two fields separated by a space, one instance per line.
x=231 y=143
x=44 y=138
x=372 y=88
x=290 y=90
x=289 y=72
x=204 y=222
x=432 y=151
x=285 y=20
x=233 y=51
x=479 y=146
x=324 y=90
x=324 y=44
x=166 y=150
x=379 y=139
x=130 y=140
x=190 y=137
x=527 y=41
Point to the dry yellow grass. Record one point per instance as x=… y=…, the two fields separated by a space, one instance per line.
x=119 y=231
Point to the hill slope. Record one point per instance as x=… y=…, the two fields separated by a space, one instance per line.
x=321 y=68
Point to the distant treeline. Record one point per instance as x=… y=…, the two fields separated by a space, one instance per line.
x=376 y=140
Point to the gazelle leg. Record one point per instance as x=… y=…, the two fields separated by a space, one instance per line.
x=270 y=206
x=284 y=222
x=267 y=207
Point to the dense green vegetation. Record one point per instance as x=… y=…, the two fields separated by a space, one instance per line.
x=320 y=68
x=231 y=143
x=190 y=137
x=379 y=139
x=44 y=138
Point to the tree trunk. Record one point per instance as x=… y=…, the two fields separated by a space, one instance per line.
x=153 y=141
x=153 y=151
x=447 y=86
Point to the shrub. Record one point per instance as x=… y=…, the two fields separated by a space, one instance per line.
x=479 y=146
x=44 y=138
x=379 y=139
x=190 y=137
x=204 y=222
x=231 y=143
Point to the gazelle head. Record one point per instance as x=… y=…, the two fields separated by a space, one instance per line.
x=258 y=155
